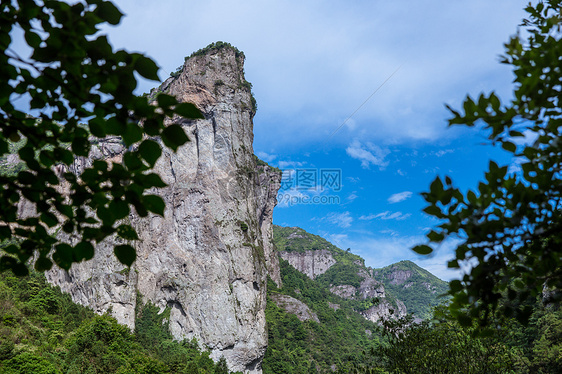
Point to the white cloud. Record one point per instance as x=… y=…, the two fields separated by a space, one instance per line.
x=515 y=165
x=385 y=250
x=368 y=154
x=337 y=239
x=433 y=170
x=443 y=152
x=343 y=220
x=389 y=232
x=352 y=197
x=289 y=197
x=399 y=216
x=290 y=164
x=528 y=138
x=398 y=197
x=312 y=64
x=266 y=156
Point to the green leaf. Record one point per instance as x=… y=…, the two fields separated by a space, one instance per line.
x=132 y=133
x=455 y=285
x=43 y=264
x=125 y=254
x=150 y=151
x=26 y=178
x=96 y=126
x=63 y=255
x=188 y=110
x=435 y=236
x=49 y=219
x=422 y=249
x=81 y=146
x=436 y=187
x=127 y=232
x=464 y=320
x=471 y=197
x=154 y=204
x=509 y=146
x=19 y=269
x=109 y=13
x=151 y=180
x=84 y=251
x=32 y=39
x=63 y=155
x=454 y=264
x=119 y=208
x=132 y=160
x=174 y=136
x=5 y=232
x=165 y=100
x=434 y=210
x=147 y=68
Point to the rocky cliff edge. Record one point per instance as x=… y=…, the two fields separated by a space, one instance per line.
x=208 y=258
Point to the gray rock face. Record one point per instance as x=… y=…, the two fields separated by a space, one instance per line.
x=208 y=258
x=399 y=276
x=345 y=291
x=385 y=310
x=368 y=288
x=310 y=263
x=294 y=306
x=315 y=262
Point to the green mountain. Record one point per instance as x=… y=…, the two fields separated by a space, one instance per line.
x=416 y=287
x=326 y=315
x=311 y=330
x=397 y=289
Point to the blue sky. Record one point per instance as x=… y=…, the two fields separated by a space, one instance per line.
x=313 y=64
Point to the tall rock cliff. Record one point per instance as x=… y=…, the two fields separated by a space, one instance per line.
x=208 y=258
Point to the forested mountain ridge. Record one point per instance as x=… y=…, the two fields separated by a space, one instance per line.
x=389 y=292
x=416 y=287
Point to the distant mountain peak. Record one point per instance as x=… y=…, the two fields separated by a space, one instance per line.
x=403 y=286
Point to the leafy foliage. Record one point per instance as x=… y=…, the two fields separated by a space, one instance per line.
x=260 y=162
x=217 y=46
x=441 y=347
x=510 y=227
x=44 y=332
x=79 y=90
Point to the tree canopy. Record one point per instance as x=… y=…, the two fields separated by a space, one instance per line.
x=71 y=91
x=510 y=228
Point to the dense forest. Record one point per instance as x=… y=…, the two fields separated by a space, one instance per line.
x=43 y=332
x=339 y=340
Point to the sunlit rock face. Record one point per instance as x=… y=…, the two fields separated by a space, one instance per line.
x=208 y=258
x=310 y=263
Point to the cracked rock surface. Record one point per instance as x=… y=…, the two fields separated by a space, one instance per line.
x=208 y=258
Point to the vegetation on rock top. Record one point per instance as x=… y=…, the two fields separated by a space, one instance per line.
x=217 y=46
